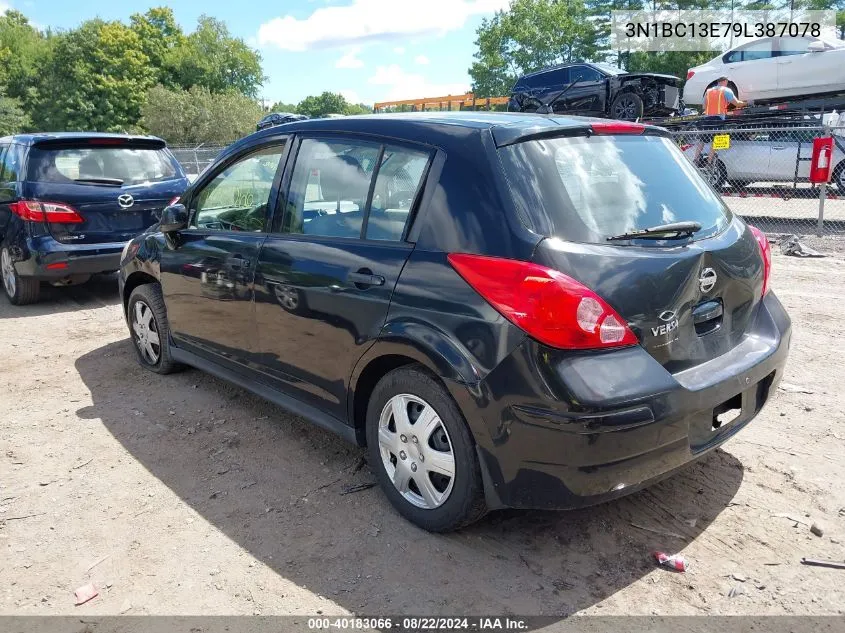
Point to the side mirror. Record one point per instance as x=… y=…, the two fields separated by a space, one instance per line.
x=173 y=218
x=816 y=47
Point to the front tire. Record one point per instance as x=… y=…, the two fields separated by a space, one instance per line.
x=20 y=290
x=626 y=106
x=422 y=452
x=149 y=329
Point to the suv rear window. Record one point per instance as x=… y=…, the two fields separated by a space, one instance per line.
x=586 y=189
x=131 y=165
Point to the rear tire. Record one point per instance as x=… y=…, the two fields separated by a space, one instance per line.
x=626 y=106
x=418 y=458
x=149 y=329
x=20 y=290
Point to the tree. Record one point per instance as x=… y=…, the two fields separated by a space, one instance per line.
x=326 y=103
x=22 y=48
x=198 y=115
x=13 y=119
x=159 y=34
x=530 y=35
x=212 y=58
x=95 y=79
x=357 y=108
x=280 y=106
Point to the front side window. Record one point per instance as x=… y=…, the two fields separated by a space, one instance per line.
x=793 y=46
x=585 y=73
x=236 y=199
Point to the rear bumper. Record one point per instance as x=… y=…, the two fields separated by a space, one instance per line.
x=46 y=259
x=557 y=430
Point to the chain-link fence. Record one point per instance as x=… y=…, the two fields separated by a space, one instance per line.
x=195 y=158
x=762 y=171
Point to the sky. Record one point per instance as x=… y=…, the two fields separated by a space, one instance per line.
x=367 y=50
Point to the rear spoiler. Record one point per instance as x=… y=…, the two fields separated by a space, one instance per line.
x=134 y=142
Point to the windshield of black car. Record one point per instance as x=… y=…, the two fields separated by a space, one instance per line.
x=610 y=69
x=586 y=189
x=125 y=165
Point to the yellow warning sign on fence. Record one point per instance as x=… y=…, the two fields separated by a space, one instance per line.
x=722 y=141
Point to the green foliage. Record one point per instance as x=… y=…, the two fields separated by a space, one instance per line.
x=13 y=119
x=321 y=105
x=279 y=106
x=534 y=34
x=159 y=35
x=210 y=57
x=22 y=47
x=198 y=115
x=95 y=79
x=531 y=35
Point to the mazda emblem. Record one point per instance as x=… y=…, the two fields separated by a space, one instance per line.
x=707 y=280
x=125 y=201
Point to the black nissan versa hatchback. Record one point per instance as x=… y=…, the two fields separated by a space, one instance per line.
x=70 y=201
x=508 y=310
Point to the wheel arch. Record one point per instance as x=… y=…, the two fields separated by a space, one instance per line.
x=398 y=346
x=137 y=278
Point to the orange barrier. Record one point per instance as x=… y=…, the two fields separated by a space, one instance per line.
x=466 y=100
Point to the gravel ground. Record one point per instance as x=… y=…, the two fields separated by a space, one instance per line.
x=185 y=495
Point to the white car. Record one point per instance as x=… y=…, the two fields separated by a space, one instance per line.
x=773 y=68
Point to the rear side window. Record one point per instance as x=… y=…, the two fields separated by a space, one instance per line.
x=10 y=162
x=353 y=189
x=129 y=165
x=586 y=189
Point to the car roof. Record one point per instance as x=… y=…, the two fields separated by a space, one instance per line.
x=432 y=128
x=557 y=67
x=37 y=137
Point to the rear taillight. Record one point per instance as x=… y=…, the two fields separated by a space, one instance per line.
x=690 y=74
x=766 y=252
x=617 y=127
x=545 y=303
x=54 y=212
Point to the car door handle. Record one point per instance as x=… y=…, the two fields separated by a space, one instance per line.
x=365 y=278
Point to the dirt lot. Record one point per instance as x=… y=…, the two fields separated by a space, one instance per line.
x=185 y=495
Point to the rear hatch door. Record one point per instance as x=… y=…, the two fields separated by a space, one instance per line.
x=117 y=187
x=689 y=299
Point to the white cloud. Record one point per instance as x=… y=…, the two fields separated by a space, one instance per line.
x=350 y=59
x=399 y=50
x=422 y=60
x=4 y=6
x=403 y=85
x=372 y=20
x=351 y=96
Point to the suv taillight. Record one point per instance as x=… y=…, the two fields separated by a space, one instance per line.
x=545 y=303
x=766 y=252
x=54 y=212
x=690 y=74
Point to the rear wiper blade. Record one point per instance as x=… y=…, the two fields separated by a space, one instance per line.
x=101 y=181
x=664 y=231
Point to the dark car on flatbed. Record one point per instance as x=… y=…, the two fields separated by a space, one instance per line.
x=69 y=203
x=508 y=310
x=598 y=89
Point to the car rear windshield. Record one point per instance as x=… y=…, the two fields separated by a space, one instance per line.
x=586 y=189
x=130 y=165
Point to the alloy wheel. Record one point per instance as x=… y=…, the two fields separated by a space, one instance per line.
x=288 y=297
x=8 y=272
x=146 y=332
x=625 y=108
x=416 y=451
